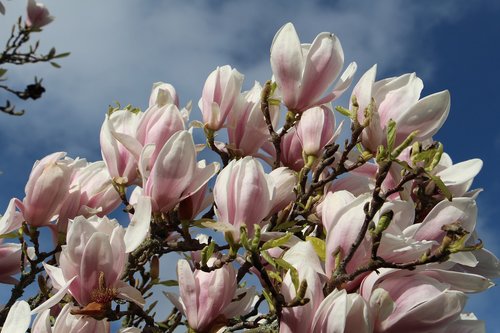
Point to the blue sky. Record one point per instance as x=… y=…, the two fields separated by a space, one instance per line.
x=120 y=48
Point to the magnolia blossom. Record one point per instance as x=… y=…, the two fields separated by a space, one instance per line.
x=284 y=183
x=303 y=258
x=38 y=15
x=10 y=261
x=246 y=126
x=157 y=125
x=176 y=174
x=91 y=264
x=91 y=193
x=402 y=301
x=342 y=216
x=66 y=322
x=10 y=253
x=204 y=297
x=151 y=128
x=341 y=312
x=120 y=161
x=291 y=150
x=163 y=94
x=398 y=99
x=241 y=187
x=305 y=71
x=47 y=188
x=220 y=94
x=316 y=129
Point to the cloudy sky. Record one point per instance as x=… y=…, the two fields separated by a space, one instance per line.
x=120 y=48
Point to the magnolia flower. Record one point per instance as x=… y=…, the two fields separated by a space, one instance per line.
x=119 y=159
x=342 y=216
x=341 y=312
x=175 y=174
x=38 y=15
x=47 y=188
x=91 y=193
x=10 y=261
x=284 y=181
x=10 y=253
x=305 y=260
x=398 y=99
x=461 y=211
x=316 y=129
x=66 y=322
x=425 y=301
x=91 y=264
x=220 y=93
x=204 y=296
x=157 y=125
x=305 y=71
x=246 y=126
x=241 y=187
x=163 y=94
x=291 y=150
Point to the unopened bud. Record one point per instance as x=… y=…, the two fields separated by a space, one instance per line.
x=155 y=268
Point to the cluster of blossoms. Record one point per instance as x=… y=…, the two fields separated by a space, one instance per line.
x=300 y=233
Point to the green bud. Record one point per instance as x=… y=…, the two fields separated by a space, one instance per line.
x=437 y=157
x=391 y=134
x=256 y=237
x=343 y=111
x=405 y=144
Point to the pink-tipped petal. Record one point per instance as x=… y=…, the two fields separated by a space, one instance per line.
x=287 y=63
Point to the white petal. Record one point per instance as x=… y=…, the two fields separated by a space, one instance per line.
x=129 y=293
x=427 y=116
x=18 y=319
x=54 y=299
x=138 y=228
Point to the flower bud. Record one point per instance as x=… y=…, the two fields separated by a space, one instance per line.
x=316 y=129
x=119 y=160
x=37 y=15
x=220 y=93
x=175 y=175
x=47 y=187
x=163 y=94
x=203 y=296
x=291 y=150
x=157 y=125
x=241 y=187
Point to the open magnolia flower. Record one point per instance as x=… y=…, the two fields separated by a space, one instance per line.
x=304 y=72
x=206 y=298
x=398 y=99
x=91 y=264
